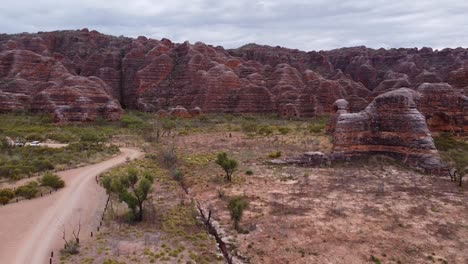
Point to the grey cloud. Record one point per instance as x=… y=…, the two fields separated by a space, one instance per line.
x=306 y=25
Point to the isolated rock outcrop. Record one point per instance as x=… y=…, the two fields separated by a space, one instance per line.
x=390 y=125
x=179 y=111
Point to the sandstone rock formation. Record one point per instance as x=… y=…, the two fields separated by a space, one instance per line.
x=29 y=81
x=308 y=159
x=390 y=125
x=179 y=111
x=99 y=74
x=445 y=108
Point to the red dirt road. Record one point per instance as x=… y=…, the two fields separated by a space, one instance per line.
x=31 y=229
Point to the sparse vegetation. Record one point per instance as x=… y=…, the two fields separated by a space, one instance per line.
x=272 y=202
x=274 y=154
x=131 y=187
x=17 y=163
x=229 y=165
x=28 y=191
x=455 y=152
x=52 y=180
x=236 y=207
x=6 y=195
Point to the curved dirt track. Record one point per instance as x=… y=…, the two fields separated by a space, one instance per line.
x=31 y=229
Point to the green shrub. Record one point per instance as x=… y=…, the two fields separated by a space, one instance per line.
x=131 y=121
x=446 y=142
x=72 y=247
x=249 y=172
x=314 y=128
x=132 y=187
x=265 y=130
x=169 y=157
x=229 y=165
x=284 y=130
x=236 y=207
x=52 y=180
x=275 y=154
x=455 y=152
x=42 y=165
x=28 y=190
x=111 y=261
x=35 y=136
x=62 y=136
x=6 y=195
x=249 y=127
x=93 y=137
x=177 y=175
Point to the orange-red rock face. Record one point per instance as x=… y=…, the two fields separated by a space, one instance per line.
x=445 y=108
x=152 y=75
x=390 y=125
x=96 y=75
x=33 y=82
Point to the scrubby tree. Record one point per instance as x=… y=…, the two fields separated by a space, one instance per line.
x=132 y=188
x=236 y=207
x=229 y=165
x=52 y=180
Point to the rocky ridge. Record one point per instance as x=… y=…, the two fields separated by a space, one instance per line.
x=96 y=75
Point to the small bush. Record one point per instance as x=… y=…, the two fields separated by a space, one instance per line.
x=52 y=180
x=375 y=259
x=177 y=175
x=265 y=130
x=6 y=195
x=42 y=165
x=169 y=157
x=131 y=121
x=71 y=248
x=229 y=165
x=314 y=128
x=28 y=190
x=91 y=137
x=236 y=207
x=35 y=136
x=284 y=130
x=275 y=154
x=249 y=172
x=249 y=127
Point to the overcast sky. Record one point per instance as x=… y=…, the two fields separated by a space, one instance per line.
x=302 y=24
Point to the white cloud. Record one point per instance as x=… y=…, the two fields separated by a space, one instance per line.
x=302 y=24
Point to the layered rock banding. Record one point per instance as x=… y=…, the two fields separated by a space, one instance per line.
x=391 y=125
x=103 y=73
x=29 y=81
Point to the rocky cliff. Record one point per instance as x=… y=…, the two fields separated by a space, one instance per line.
x=80 y=75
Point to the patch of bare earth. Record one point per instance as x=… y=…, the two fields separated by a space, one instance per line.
x=350 y=214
